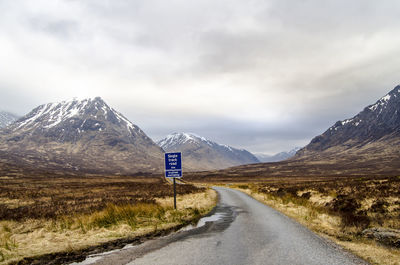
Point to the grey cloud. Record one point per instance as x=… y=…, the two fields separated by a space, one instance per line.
x=227 y=65
x=333 y=17
x=58 y=28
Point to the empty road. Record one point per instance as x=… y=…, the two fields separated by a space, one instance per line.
x=247 y=232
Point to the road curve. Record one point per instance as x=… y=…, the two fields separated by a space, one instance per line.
x=248 y=233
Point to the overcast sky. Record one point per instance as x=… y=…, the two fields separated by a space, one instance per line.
x=258 y=74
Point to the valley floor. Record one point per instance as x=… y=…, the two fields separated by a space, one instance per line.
x=40 y=216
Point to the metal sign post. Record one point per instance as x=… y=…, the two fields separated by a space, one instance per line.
x=173 y=168
x=174 y=194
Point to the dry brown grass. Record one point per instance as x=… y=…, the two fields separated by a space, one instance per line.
x=118 y=207
x=51 y=197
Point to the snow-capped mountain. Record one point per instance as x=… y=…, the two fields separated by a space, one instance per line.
x=367 y=144
x=377 y=124
x=200 y=153
x=85 y=135
x=178 y=139
x=277 y=157
x=6 y=118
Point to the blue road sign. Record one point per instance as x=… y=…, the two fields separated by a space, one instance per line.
x=173 y=165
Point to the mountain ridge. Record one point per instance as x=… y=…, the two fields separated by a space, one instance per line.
x=372 y=124
x=200 y=153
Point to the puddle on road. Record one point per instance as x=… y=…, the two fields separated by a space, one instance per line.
x=212 y=218
x=202 y=222
x=95 y=257
x=87 y=261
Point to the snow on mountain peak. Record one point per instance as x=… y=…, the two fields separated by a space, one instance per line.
x=377 y=109
x=54 y=113
x=178 y=139
x=382 y=102
x=374 y=121
x=50 y=115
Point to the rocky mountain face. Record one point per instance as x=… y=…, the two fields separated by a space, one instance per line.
x=199 y=153
x=279 y=156
x=366 y=145
x=79 y=135
x=377 y=124
x=6 y=118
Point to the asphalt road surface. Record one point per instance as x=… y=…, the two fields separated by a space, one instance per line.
x=245 y=232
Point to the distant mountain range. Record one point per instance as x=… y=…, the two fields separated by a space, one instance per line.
x=6 y=118
x=277 y=157
x=91 y=137
x=200 y=153
x=79 y=135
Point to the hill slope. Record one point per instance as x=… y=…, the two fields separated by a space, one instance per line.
x=200 y=153
x=79 y=135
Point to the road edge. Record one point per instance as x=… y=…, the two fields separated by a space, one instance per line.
x=323 y=237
